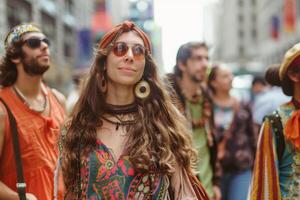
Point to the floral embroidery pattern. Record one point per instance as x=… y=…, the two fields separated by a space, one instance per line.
x=294 y=190
x=84 y=176
x=294 y=185
x=117 y=180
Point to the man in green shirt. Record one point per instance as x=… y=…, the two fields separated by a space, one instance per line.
x=188 y=83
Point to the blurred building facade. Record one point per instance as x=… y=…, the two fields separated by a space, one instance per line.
x=211 y=33
x=118 y=10
x=237 y=32
x=60 y=20
x=274 y=35
x=254 y=31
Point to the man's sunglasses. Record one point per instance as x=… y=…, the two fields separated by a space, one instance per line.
x=121 y=48
x=36 y=42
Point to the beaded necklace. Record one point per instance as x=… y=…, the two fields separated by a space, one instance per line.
x=118 y=112
x=26 y=102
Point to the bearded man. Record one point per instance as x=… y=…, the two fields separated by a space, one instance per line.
x=188 y=86
x=38 y=111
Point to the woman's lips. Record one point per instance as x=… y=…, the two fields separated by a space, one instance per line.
x=127 y=69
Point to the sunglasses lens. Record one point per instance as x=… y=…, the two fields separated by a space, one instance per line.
x=33 y=42
x=138 y=52
x=47 y=41
x=120 y=49
x=36 y=42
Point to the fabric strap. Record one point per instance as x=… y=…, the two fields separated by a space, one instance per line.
x=197 y=187
x=275 y=120
x=21 y=185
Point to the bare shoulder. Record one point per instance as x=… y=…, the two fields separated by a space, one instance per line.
x=59 y=96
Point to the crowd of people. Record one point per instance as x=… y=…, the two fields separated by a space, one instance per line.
x=128 y=133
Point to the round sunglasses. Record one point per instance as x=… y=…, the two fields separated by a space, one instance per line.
x=121 y=48
x=36 y=42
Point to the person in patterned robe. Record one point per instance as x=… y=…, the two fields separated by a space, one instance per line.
x=277 y=166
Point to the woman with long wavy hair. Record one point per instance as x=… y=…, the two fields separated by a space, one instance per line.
x=126 y=140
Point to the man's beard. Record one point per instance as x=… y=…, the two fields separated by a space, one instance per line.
x=32 y=67
x=195 y=79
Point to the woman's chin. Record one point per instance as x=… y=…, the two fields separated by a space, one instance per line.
x=128 y=84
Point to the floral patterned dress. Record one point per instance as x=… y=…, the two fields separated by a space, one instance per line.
x=103 y=178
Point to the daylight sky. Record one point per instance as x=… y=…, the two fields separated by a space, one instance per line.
x=181 y=21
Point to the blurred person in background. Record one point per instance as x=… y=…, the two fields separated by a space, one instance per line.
x=277 y=165
x=259 y=85
x=125 y=139
x=187 y=86
x=39 y=111
x=234 y=135
x=266 y=99
x=73 y=96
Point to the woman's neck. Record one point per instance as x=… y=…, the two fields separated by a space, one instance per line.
x=223 y=99
x=120 y=95
x=222 y=95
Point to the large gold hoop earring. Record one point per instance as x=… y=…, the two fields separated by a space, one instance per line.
x=142 y=89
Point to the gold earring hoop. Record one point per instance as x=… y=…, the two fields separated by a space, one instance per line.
x=142 y=89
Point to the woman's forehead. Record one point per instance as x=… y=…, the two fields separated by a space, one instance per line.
x=130 y=37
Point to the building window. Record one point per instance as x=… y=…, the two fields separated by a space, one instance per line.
x=69 y=6
x=241 y=50
x=18 y=11
x=254 y=18
x=67 y=50
x=69 y=38
x=49 y=27
x=241 y=3
x=254 y=34
x=241 y=18
x=241 y=34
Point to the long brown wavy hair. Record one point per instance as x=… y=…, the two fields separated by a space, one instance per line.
x=8 y=69
x=160 y=131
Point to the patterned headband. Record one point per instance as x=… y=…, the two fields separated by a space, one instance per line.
x=124 y=27
x=16 y=33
